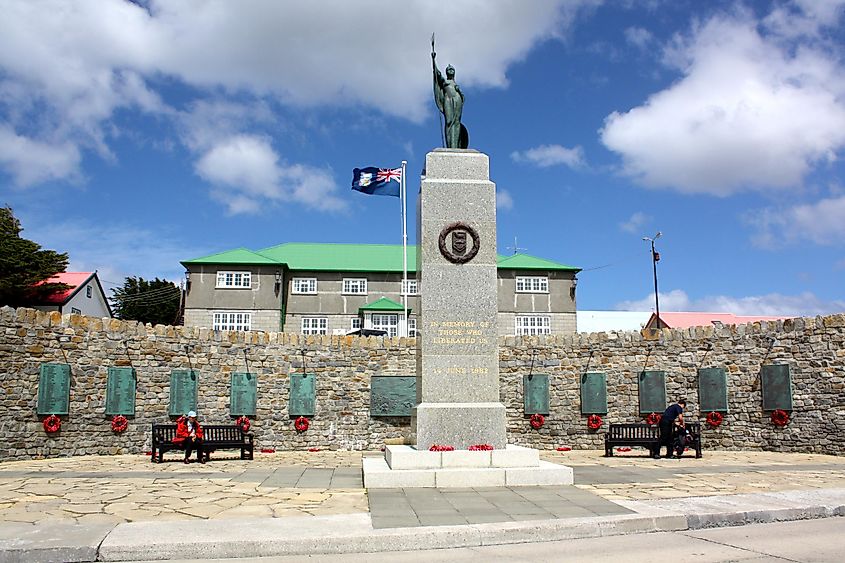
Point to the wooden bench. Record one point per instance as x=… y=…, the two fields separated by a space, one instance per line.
x=645 y=436
x=215 y=437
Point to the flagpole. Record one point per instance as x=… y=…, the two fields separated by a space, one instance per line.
x=403 y=288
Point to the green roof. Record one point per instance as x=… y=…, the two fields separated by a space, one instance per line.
x=342 y=257
x=305 y=256
x=528 y=262
x=383 y=304
x=237 y=256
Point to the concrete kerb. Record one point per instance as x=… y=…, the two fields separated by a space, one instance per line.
x=350 y=534
x=256 y=537
x=58 y=541
x=355 y=534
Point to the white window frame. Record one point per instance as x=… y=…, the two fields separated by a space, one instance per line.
x=233 y=279
x=232 y=320
x=410 y=287
x=412 y=326
x=354 y=286
x=388 y=322
x=75 y=311
x=532 y=325
x=303 y=286
x=314 y=325
x=532 y=284
x=355 y=323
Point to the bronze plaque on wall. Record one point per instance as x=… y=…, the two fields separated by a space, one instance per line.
x=594 y=393
x=535 y=394
x=303 y=394
x=183 y=391
x=243 y=391
x=120 y=391
x=712 y=390
x=392 y=395
x=652 y=391
x=776 y=386
x=54 y=389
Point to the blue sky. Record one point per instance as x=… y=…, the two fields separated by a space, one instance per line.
x=136 y=135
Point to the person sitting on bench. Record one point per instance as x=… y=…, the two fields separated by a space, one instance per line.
x=189 y=435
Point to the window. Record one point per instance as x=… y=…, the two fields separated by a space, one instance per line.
x=388 y=323
x=88 y=292
x=75 y=311
x=355 y=323
x=234 y=279
x=232 y=320
x=532 y=284
x=412 y=327
x=532 y=325
x=355 y=286
x=304 y=285
x=409 y=287
x=315 y=325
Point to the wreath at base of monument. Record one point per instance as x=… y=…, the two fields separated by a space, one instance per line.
x=653 y=419
x=714 y=418
x=441 y=448
x=480 y=448
x=537 y=421
x=301 y=424
x=780 y=417
x=119 y=424
x=52 y=424
x=243 y=423
x=594 y=422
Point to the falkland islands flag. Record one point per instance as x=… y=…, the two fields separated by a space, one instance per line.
x=377 y=181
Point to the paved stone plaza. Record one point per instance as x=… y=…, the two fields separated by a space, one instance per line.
x=129 y=488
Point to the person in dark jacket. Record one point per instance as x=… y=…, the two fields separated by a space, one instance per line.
x=672 y=416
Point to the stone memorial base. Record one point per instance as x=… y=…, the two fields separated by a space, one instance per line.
x=407 y=467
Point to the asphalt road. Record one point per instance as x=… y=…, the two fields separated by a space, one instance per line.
x=801 y=541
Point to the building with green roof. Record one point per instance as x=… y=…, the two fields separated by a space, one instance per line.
x=317 y=288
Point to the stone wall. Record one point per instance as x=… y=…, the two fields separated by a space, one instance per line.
x=814 y=348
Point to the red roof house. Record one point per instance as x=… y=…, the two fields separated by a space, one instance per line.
x=84 y=296
x=696 y=318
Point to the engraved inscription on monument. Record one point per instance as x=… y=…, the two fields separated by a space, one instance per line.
x=120 y=391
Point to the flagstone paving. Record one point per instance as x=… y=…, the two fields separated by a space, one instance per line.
x=114 y=489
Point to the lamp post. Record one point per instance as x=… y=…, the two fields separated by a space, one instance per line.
x=655 y=258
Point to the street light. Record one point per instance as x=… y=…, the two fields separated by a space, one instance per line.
x=655 y=258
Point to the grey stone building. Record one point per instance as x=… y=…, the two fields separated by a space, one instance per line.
x=313 y=288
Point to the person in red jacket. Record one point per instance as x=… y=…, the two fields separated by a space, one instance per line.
x=189 y=436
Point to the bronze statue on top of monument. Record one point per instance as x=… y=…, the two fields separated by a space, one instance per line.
x=450 y=102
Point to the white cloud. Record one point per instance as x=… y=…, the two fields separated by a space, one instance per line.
x=751 y=111
x=30 y=161
x=772 y=304
x=638 y=37
x=114 y=250
x=247 y=172
x=67 y=67
x=635 y=222
x=551 y=155
x=504 y=200
x=822 y=222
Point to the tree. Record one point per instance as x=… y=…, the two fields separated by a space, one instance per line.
x=23 y=265
x=154 y=302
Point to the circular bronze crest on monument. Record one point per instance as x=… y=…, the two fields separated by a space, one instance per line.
x=453 y=243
